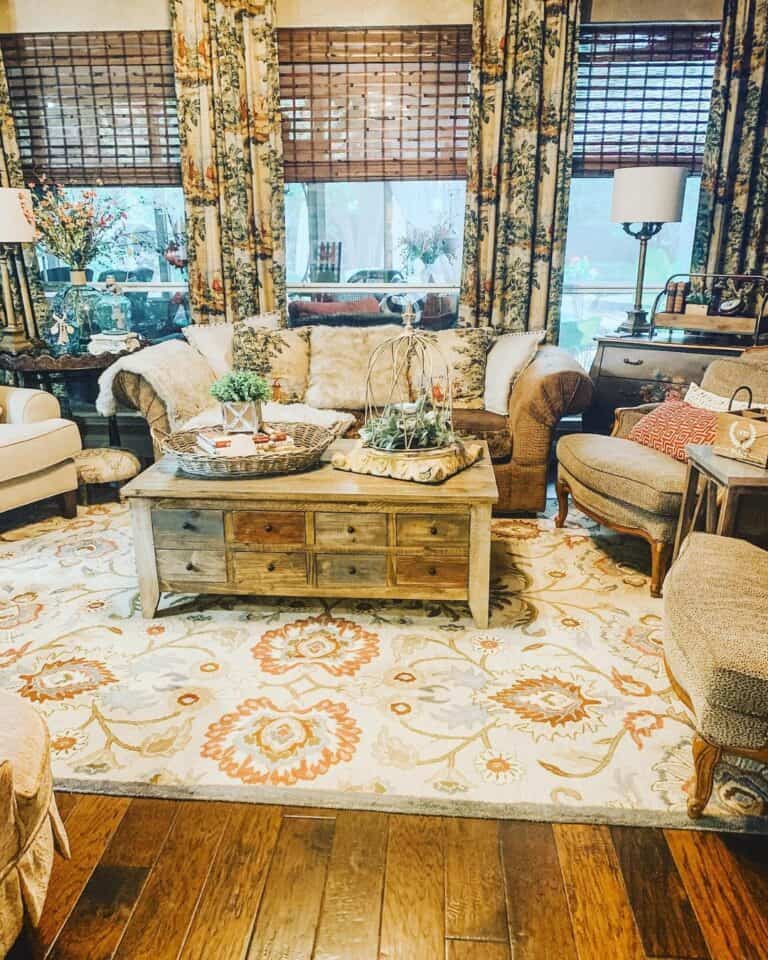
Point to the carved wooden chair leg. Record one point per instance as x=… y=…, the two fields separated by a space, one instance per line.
x=705 y=758
x=562 y=490
x=661 y=553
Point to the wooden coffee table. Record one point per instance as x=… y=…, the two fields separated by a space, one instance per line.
x=325 y=533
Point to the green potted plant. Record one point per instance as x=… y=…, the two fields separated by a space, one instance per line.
x=240 y=394
x=409 y=426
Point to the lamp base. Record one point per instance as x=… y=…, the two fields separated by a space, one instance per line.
x=635 y=324
x=14 y=341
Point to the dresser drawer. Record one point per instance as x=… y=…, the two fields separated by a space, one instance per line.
x=207 y=566
x=448 y=530
x=350 y=569
x=649 y=364
x=187 y=529
x=286 y=527
x=263 y=569
x=347 y=529
x=420 y=571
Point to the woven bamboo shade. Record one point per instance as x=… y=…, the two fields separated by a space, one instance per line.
x=95 y=106
x=375 y=104
x=642 y=95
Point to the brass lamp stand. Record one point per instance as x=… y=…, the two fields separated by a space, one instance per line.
x=637 y=318
x=17 y=226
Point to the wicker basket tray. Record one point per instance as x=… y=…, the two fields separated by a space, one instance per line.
x=310 y=442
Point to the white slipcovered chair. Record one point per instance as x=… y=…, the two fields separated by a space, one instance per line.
x=37 y=448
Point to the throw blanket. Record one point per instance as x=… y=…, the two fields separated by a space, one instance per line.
x=182 y=378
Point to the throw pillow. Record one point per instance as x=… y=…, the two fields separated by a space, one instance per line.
x=507 y=358
x=338 y=367
x=465 y=351
x=282 y=356
x=704 y=400
x=214 y=340
x=673 y=425
x=323 y=308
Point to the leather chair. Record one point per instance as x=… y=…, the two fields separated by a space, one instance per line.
x=37 y=448
x=633 y=489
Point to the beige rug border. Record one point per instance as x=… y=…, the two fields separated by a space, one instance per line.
x=395 y=803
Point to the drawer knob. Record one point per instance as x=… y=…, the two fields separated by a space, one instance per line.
x=188 y=526
x=191 y=566
x=350 y=529
x=267 y=528
x=352 y=571
x=433 y=531
x=271 y=567
x=432 y=571
x=633 y=363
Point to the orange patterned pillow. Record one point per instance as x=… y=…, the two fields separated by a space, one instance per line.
x=673 y=425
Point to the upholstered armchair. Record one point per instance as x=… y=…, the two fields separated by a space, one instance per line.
x=36 y=450
x=636 y=490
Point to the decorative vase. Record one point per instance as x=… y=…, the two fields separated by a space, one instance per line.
x=241 y=417
x=73 y=317
x=113 y=310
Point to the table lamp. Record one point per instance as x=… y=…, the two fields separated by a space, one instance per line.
x=648 y=197
x=17 y=226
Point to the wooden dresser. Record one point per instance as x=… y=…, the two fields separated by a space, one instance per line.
x=628 y=371
x=324 y=533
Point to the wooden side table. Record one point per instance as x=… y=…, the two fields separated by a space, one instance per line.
x=732 y=477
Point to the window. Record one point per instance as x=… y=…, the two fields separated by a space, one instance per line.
x=642 y=97
x=375 y=137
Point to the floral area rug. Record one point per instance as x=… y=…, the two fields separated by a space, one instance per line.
x=560 y=710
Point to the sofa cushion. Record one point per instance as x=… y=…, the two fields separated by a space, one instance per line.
x=29 y=447
x=282 y=356
x=214 y=340
x=625 y=471
x=484 y=425
x=508 y=357
x=716 y=640
x=338 y=367
x=465 y=351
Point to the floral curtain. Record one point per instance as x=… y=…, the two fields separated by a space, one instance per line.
x=227 y=85
x=732 y=225
x=28 y=297
x=521 y=125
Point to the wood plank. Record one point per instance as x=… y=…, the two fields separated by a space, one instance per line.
x=413 y=914
x=100 y=916
x=90 y=826
x=729 y=918
x=474 y=885
x=176 y=881
x=663 y=913
x=751 y=854
x=351 y=912
x=537 y=909
x=66 y=803
x=222 y=926
x=597 y=897
x=477 y=950
x=290 y=904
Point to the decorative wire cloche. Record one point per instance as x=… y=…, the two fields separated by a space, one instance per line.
x=425 y=423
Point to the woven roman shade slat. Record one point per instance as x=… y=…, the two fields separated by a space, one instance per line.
x=642 y=95
x=95 y=107
x=375 y=104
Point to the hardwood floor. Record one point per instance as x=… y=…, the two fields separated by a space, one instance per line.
x=197 y=880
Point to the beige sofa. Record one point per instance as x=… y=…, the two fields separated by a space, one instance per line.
x=550 y=387
x=36 y=450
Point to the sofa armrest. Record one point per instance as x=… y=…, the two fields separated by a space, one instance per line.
x=552 y=385
x=627 y=417
x=21 y=405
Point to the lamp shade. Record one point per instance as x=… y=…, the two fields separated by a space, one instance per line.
x=17 y=221
x=648 y=194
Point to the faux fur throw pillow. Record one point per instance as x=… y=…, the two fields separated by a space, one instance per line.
x=338 y=367
x=282 y=356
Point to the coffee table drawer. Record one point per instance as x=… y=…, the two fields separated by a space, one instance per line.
x=347 y=529
x=440 y=572
x=179 y=565
x=265 y=569
x=351 y=569
x=285 y=527
x=443 y=530
x=187 y=529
